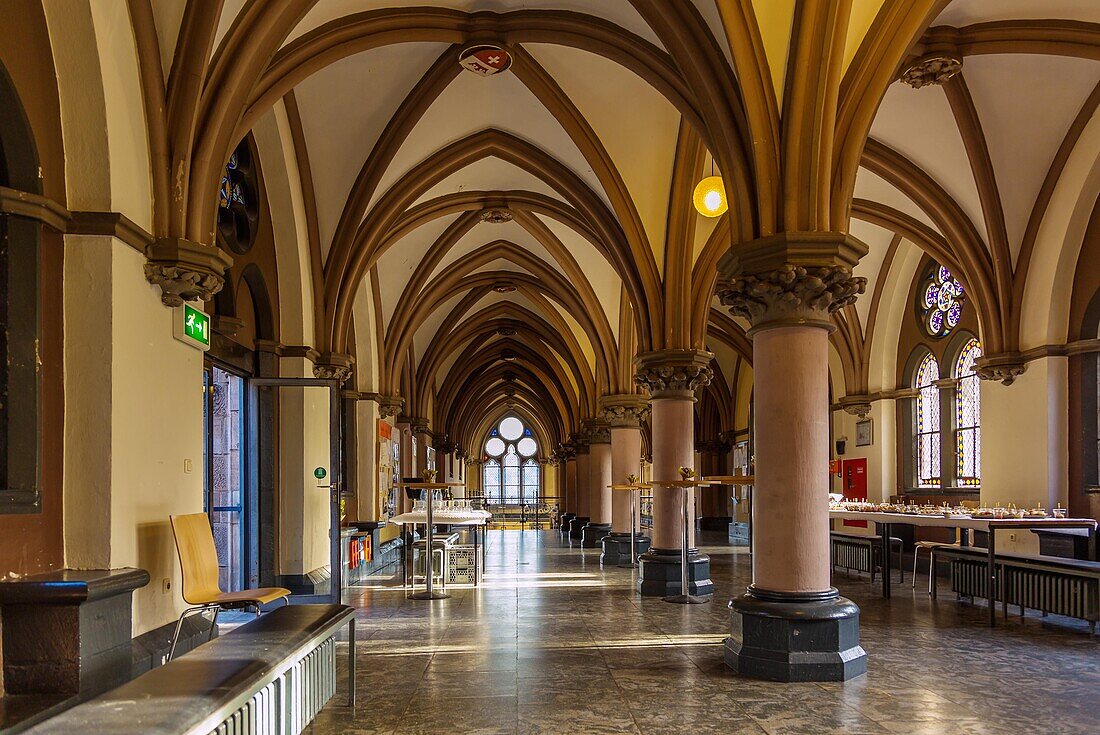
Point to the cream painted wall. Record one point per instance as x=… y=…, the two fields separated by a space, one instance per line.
x=366 y=468
x=133 y=405
x=1025 y=443
x=303 y=446
x=880 y=455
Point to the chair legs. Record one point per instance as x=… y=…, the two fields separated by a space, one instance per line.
x=916 y=553
x=179 y=624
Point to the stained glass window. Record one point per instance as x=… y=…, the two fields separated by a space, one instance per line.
x=237 y=213
x=512 y=470
x=928 y=422
x=968 y=416
x=492 y=480
x=940 y=303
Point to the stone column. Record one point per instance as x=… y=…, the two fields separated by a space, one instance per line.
x=584 y=501
x=569 y=487
x=408 y=463
x=624 y=414
x=791 y=624
x=671 y=377
x=599 y=482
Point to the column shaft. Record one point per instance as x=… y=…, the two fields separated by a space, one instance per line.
x=673 y=448
x=626 y=459
x=599 y=480
x=584 y=500
x=791 y=374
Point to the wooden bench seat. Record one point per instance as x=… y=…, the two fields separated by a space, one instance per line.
x=279 y=669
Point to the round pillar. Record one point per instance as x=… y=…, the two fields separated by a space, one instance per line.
x=599 y=490
x=791 y=624
x=672 y=376
x=584 y=502
x=624 y=413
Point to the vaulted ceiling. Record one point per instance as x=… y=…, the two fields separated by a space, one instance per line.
x=518 y=238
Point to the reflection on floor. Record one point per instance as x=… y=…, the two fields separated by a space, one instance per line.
x=552 y=643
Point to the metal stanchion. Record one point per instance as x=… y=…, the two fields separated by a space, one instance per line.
x=686 y=485
x=633 y=487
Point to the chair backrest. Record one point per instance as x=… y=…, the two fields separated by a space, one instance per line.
x=198 y=557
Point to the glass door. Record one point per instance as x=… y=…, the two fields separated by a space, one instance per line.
x=224 y=499
x=299 y=475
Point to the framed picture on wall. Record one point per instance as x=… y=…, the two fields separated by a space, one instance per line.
x=864 y=433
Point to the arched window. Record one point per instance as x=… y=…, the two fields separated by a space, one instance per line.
x=927 y=429
x=511 y=470
x=968 y=416
x=940 y=302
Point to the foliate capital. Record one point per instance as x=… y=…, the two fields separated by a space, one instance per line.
x=1005 y=367
x=797 y=278
x=333 y=366
x=673 y=373
x=185 y=270
x=624 y=411
x=597 y=431
x=389 y=406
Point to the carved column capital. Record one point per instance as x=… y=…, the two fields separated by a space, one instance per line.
x=1005 y=367
x=387 y=405
x=856 y=405
x=333 y=366
x=793 y=278
x=596 y=431
x=579 y=441
x=567 y=451
x=624 y=411
x=673 y=373
x=185 y=270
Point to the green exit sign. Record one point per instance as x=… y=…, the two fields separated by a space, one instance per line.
x=192 y=326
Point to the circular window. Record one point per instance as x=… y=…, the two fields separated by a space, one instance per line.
x=511 y=428
x=527 y=446
x=494 y=447
x=941 y=303
x=237 y=213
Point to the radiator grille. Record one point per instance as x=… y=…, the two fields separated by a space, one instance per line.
x=288 y=704
x=1061 y=594
x=852 y=555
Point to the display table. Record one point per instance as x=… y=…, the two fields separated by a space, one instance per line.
x=883 y=522
x=475 y=520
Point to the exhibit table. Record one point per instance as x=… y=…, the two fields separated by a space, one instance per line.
x=632 y=486
x=685 y=486
x=884 y=521
x=472 y=518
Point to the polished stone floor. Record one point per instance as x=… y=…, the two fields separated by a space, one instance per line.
x=553 y=643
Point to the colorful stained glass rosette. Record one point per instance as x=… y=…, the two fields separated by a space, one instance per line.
x=941 y=303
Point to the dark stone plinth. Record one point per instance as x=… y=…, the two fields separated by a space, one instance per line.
x=616 y=547
x=659 y=573
x=787 y=637
x=68 y=632
x=563 y=524
x=576 y=527
x=593 y=533
x=714 y=523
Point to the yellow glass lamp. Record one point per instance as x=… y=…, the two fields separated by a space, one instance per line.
x=710 y=197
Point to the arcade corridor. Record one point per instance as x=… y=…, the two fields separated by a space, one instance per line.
x=553 y=643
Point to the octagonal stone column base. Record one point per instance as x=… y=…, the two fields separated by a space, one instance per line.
x=795 y=637
x=659 y=573
x=616 y=547
x=576 y=527
x=563 y=524
x=593 y=533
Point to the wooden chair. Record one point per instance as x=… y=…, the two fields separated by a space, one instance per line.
x=199 y=565
x=931 y=546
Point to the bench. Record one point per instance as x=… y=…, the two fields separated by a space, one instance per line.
x=1049 y=584
x=855 y=552
x=270 y=676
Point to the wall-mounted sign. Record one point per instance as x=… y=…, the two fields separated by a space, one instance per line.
x=320 y=473
x=192 y=326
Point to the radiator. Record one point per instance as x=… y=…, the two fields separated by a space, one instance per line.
x=288 y=704
x=1048 y=590
x=852 y=555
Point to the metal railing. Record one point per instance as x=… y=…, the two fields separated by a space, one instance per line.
x=522 y=512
